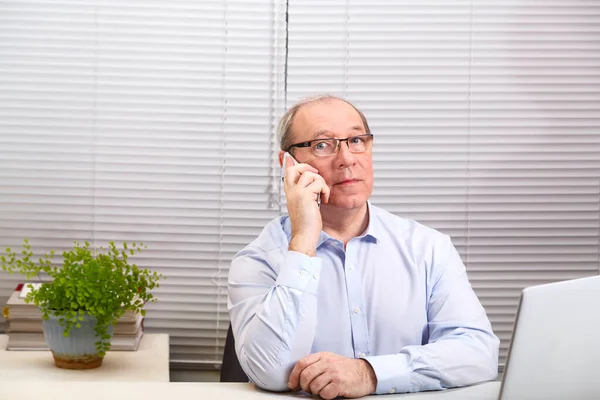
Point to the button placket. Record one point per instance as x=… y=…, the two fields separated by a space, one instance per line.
x=356 y=304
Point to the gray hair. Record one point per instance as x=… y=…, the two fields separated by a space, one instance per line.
x=284 y=130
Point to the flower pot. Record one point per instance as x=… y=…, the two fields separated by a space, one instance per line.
x=78 y=351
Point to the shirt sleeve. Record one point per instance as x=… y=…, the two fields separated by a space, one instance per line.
x=273 y=309
x=462 y=348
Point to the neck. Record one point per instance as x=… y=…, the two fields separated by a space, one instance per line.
x=345 y=224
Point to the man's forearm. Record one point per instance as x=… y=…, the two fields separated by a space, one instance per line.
x=461 y=360
x=275 y=330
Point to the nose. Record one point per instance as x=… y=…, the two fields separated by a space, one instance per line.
x=344 y=157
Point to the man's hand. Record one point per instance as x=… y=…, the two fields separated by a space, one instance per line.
x=330 y=375
x=302 y=185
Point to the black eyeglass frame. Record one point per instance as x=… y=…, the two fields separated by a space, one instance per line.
x=310 y=142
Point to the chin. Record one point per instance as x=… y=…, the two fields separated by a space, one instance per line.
x=348 y=202
x=350 y=197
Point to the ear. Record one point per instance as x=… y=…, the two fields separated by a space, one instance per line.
x=281 y=153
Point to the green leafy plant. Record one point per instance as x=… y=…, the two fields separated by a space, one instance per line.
x=102 y=284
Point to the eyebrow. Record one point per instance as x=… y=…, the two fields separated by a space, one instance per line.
x=322 y=132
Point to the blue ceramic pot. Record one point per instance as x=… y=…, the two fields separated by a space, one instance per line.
x=78 y=351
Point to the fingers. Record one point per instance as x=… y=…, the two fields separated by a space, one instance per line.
x=315 y=183
x=330 y=391
x=308 y=178
x=325 y=193
x=318 y=186
x=293 y=173
x=294 y=380
x=309 y=374
x=304 y=175
x=331 y=375
x=318 y=383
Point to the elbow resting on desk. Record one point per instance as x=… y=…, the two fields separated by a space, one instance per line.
x=268 y=375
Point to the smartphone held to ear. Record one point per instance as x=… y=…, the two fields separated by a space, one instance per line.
x=287 y=155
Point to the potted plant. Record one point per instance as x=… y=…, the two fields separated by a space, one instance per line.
x=85 y=297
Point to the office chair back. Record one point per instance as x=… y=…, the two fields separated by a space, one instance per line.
x=231 y=371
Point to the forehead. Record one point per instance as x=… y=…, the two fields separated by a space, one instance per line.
x=334 y=117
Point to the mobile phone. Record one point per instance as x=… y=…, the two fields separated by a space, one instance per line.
x=283 y=166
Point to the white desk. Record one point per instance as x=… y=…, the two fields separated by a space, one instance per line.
x=149 y=363
x=195 y=391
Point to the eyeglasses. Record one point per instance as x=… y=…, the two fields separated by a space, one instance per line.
x=328 y=147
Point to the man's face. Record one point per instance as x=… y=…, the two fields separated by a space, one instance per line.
x=348 y=175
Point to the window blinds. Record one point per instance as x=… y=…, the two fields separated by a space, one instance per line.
x=486 y=116
x=155 y=121
x=143 y=121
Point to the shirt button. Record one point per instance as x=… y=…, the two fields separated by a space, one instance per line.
x=316 y=276
x=356 y=310
x=392 y=390
x=361 y=355
x=351 y=267
x=303 y=272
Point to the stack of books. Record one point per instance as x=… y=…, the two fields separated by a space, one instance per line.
x=25 y=327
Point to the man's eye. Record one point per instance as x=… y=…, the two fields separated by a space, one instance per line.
x=356 y=140
x=320 y=145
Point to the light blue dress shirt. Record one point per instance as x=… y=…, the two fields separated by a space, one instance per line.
x=397 y=296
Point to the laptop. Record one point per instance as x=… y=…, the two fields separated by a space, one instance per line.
x=555 y=347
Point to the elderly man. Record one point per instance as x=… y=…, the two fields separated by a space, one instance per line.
x=347 y=299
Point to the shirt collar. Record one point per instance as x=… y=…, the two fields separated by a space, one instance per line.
x=372 y=233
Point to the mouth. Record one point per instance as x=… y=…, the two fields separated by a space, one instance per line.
x=347 y=182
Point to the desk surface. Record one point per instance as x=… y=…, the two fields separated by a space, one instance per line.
x=195 y=391
x=149 y=363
